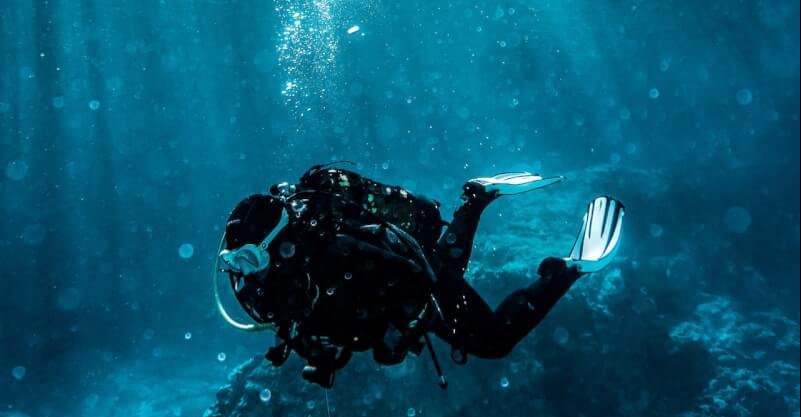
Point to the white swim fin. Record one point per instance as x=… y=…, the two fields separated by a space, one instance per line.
x=514 y=183
x=599 y=237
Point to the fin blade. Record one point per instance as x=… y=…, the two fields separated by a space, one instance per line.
x=599 y=237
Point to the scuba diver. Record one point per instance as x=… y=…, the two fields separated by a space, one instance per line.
x=339 y=263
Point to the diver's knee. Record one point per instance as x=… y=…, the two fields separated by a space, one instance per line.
x=551 y=265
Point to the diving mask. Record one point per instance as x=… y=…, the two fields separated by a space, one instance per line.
x=250 y=258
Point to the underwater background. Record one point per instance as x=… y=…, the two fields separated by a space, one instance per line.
x=130 y=129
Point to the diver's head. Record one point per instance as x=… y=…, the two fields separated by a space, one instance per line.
x=245 y=251
x=250 y=229
x=252 y=220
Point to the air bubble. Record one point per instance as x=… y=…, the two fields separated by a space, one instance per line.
x=286 y=250
x=656 y=230
x=94 y=105
x=654 y=93
x=561 y=336
x=265 y=395
x=298 y=207
x=19 y=372
x=499 y=13
x=188 y=335
x=186 y=250
x=58 y=102
x=738 y=219
x=148 y=334
x=745 y=97
x=504 y=382
x=221 y=356
x=16 y=170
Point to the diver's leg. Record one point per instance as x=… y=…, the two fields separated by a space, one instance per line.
x=465 y=314
x=456 y=244
x=523 y=310
x=471 y=326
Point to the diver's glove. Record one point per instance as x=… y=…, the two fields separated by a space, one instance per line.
x=509 y=183
x=321 y=376
x=323 y=372
x=599 y=237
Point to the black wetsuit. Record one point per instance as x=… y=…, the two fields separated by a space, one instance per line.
x=365 y=266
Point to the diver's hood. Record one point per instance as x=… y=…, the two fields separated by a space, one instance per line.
x=237 y=263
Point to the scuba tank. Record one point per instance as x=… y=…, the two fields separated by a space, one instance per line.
x=363 y=201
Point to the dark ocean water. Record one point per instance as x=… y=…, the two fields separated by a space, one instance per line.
x=129 y=129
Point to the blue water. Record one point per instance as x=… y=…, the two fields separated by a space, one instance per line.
x=129 y=129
